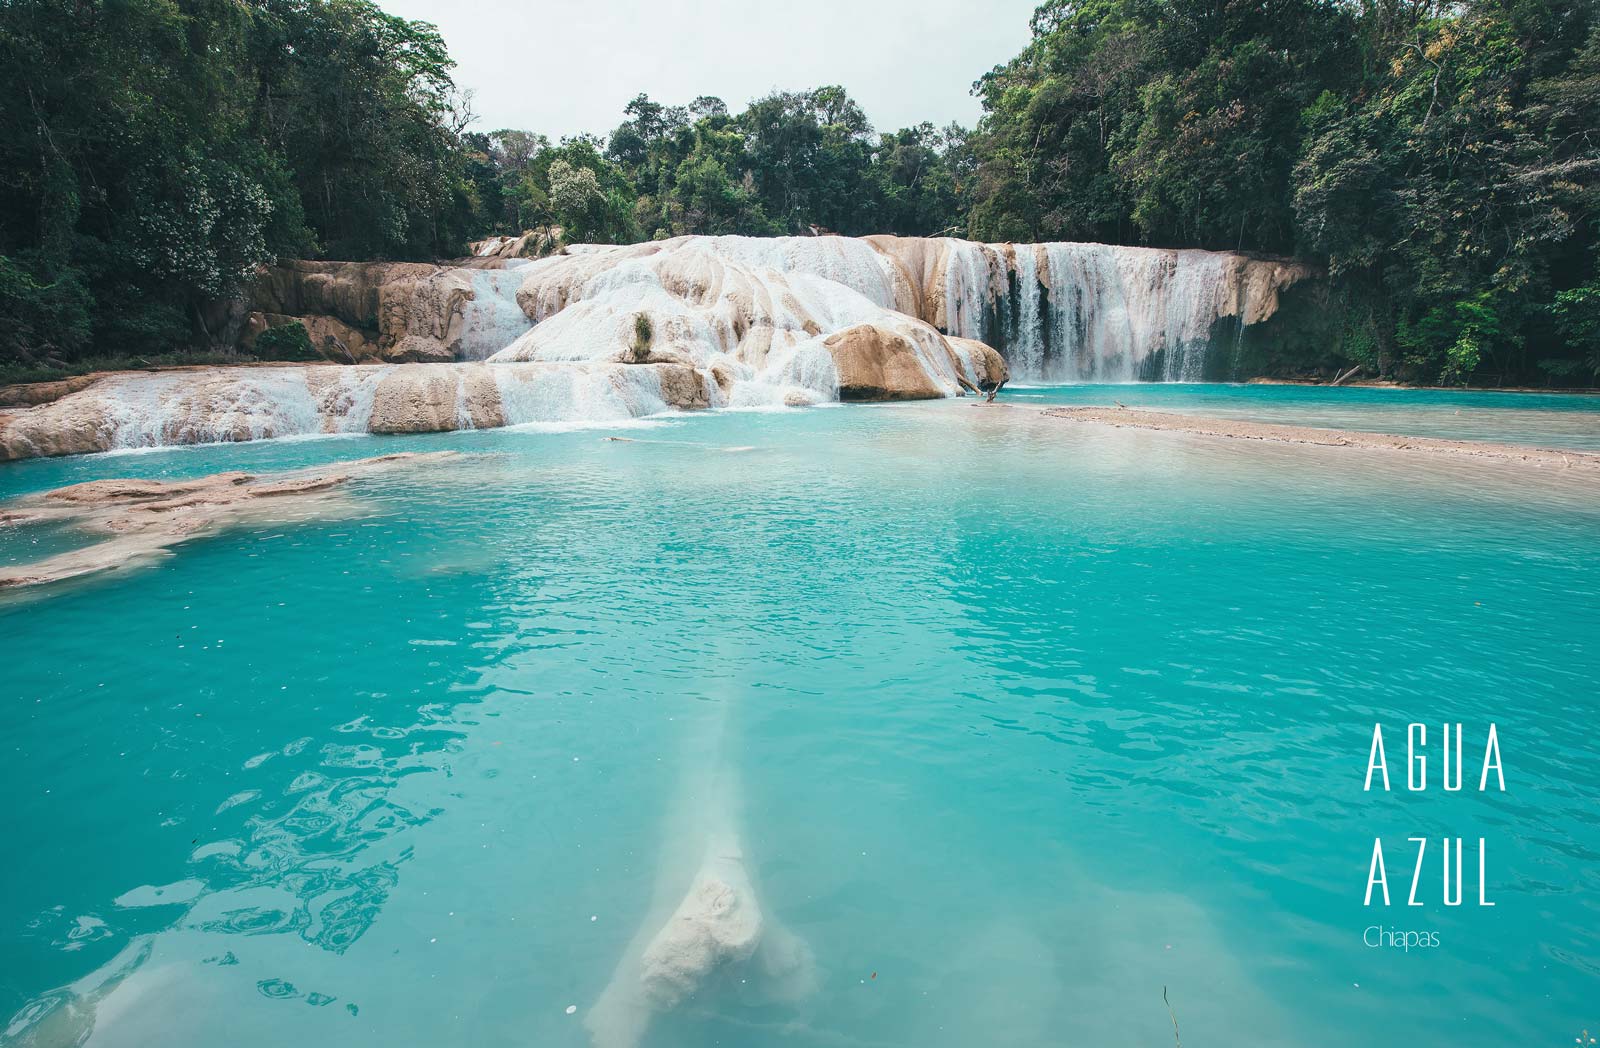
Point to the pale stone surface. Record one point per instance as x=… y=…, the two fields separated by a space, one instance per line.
x=734 y=322
x=422 y=398
x=29 y=394
x=878 y=364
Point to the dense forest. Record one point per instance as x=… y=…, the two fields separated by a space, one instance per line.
x=1442 y=161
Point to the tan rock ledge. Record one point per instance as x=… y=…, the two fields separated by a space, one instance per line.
x=1239 y=429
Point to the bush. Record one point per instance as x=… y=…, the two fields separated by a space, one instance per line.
x=643 y=335
x=41 y=315
x=285 y=342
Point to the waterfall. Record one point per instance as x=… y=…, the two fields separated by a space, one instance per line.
x=1091 y=312
x=741 y=322
x=576 y=395
x=491 y=320
x=968 y=291
x=1027 y=338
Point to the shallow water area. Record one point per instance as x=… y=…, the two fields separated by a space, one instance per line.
x=1017 y=722
x=1552 y=420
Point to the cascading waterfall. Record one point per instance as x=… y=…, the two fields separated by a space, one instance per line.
x=1097 y=312
x=969 y=291
x=576 y=395
x=492 y=320
x=1028 y=336
x=732 y=322
x=146 y=411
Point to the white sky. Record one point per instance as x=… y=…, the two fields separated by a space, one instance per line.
x=559 y=67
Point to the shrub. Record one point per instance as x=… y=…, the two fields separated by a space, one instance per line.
x=285 y=342
x=643 y=334
x=41 y=315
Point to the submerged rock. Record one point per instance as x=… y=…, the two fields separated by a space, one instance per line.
x=1580 y=464
x=140 y=519
x=718 y=922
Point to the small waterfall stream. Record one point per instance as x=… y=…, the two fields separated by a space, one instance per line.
x=491 y=319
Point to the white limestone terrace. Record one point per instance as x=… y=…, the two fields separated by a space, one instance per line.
x=732 y=322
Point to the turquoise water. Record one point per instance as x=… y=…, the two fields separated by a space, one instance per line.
x=1017 y=722
x=1552 y=420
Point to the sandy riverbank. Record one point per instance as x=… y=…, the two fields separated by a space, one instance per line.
x=1384 y=383
x=1238 y=429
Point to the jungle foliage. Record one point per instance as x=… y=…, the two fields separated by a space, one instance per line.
x=1440 y=160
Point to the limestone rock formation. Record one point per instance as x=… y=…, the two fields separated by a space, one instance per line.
x=875 y=363
x=533 y=243
x=755 y=313
x=735 y=322
x=421 y=399
x=223 y=404
x=29 y=394
x=395 y=312
x=140 y=519
x=331 y=337
x=991 y=368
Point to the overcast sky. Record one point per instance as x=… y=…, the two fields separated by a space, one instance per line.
x=560 y=67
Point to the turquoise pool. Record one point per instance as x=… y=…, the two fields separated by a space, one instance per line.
x=1017 y=722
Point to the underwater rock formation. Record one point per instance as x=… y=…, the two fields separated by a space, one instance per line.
x=1582 y=463
x=139 y=519
x=707 y=922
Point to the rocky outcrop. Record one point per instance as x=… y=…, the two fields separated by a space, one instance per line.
x=336 y=341
x=534 y=243
x=876 y=363
x=425 y=399
x=393 y=312
x=989 y=367
x=30 y=394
